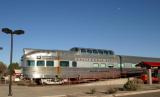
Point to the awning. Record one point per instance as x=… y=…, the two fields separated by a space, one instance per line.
x=149 y=64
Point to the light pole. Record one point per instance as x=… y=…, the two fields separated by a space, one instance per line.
x=16 y=32
x=121 y=68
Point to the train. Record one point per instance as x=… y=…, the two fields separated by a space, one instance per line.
x=49 y=66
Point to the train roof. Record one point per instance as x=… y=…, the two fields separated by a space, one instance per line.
x=29 y=51
x=74 y=49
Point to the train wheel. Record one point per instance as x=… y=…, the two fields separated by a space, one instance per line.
x=38 y=81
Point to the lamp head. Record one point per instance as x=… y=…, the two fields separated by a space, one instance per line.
x=7 y=30
x=18 y=32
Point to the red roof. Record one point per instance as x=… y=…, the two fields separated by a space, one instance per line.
x=151 y=64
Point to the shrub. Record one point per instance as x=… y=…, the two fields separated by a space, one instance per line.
x=92 y=91
x=111 y=90
x=131 y=85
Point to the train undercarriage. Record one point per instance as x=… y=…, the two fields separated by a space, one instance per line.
x=92 y=75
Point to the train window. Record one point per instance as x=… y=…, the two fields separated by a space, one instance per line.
x=74 y=64
x=89 y=51
x=122 y=65
x=64 y=63
x=74 y=49
x=110 y=52
x=40 y=63
x=30 y=63
x=110 y=66
x=133 y=65
x=100 y=51
x=103 y=65
x=95 y=51
x=95 y=65
x=83 y=50
x=49 y=63
x=106 y=52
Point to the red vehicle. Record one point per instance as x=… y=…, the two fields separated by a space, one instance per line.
x=155 y=78
x=144 y=77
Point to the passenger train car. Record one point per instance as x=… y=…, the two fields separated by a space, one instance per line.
x=80 y=63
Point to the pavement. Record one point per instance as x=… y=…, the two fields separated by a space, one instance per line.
x=112 y=95
x=119 y=81
x=135 y=92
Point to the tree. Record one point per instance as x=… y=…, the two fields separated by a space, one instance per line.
x=3 y=68
x=13 y=66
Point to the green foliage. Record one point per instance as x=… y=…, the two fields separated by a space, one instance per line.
x=93 y=91
x=131 y=85
x=13 y=66
x=3 y=68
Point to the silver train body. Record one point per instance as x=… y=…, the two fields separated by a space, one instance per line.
x=78 y=63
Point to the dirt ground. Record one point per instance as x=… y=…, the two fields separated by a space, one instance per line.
x=72 y=90
x=40 y=91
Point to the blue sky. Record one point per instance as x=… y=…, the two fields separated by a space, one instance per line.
x=129 y=27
